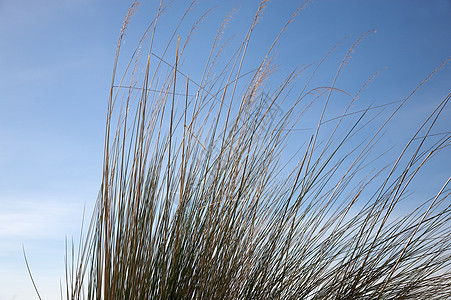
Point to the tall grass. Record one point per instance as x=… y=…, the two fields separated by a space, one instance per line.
x=203 y=197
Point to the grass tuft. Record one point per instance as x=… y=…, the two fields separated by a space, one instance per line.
x=209 y=193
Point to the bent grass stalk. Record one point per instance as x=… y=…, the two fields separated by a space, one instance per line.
x=199 y=200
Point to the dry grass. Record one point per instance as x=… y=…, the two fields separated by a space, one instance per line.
x=199 y=199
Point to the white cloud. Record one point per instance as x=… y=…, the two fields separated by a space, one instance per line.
x=40 y=224
x=35 y=219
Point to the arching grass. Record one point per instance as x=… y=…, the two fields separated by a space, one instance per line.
x=200 y=198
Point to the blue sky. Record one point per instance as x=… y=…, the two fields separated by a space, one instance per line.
x=56 y=59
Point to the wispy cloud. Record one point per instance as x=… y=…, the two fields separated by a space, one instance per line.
x=40 y=224
x=35 y=219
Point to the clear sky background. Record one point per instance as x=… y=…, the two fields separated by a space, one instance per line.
x=56 y=58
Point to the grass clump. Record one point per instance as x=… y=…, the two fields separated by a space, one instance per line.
x=200 y=200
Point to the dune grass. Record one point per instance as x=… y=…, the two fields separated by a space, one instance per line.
x=201 y=199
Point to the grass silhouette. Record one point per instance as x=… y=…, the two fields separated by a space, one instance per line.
x=200 y=200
